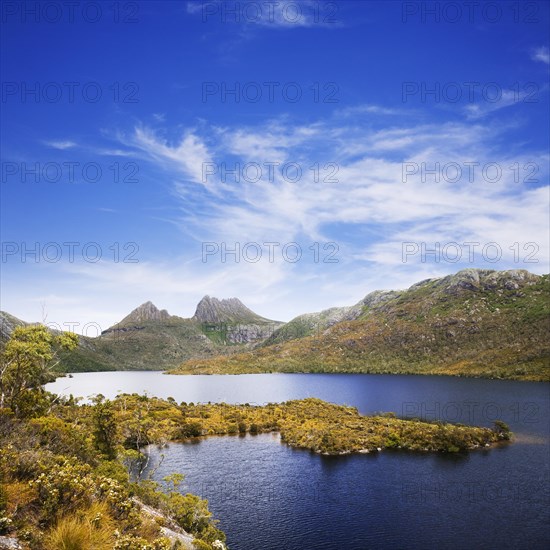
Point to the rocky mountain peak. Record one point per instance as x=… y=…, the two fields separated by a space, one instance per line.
x=230 y=310
x=145 y=312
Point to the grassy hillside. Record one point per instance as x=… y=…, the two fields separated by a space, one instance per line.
x=475 y=323
x=147 y=345
x=310 y=324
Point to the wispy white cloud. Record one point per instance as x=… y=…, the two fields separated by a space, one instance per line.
x=365 y=188
x=369 y=109
x=541 y=54
x=61 y=144
x=195 y=6
x=113 y=152
x=176 y=284
x=507 y=98
x=376 y=179
x=187 y=156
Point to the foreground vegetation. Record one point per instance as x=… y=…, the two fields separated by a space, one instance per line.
x=65 y=468
x=476 y=323
x=64 y=471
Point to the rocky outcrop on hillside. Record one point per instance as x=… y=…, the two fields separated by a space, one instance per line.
x=145 y=312
x=231 y=310
x=7 y=325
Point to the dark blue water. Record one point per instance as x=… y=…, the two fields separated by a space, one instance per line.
x=269 y=496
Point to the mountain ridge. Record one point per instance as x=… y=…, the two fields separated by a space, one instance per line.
x=475 y=322
x=472 y=323
x=149 y=338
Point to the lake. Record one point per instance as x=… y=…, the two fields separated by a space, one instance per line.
x=269 y=496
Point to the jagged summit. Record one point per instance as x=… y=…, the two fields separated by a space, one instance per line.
x=230 y=310
x=145 y=312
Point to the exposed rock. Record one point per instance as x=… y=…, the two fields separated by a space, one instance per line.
x=169 y=529
x=246 y=334
x=486 y=279
x=231 y=310
x=233 y=321
x=185 y=541
x=145 y=312
x=378 y=297
x=468 y=279
x=7 y=324
x=149 y=338
x=9 y=543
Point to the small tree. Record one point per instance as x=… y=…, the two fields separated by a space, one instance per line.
x=105 y=429
x=27 y=364
x=502 y=429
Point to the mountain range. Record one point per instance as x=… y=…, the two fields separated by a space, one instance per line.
x=476 y=322
x=151 y=339
x=473 y=323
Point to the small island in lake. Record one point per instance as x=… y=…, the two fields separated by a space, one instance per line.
x=310 y=423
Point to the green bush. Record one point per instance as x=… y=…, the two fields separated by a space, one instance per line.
x=190 y=429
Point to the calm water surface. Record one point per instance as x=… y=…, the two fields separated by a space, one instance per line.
x=269 y=496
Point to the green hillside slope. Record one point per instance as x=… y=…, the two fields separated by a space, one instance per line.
x=474 y=323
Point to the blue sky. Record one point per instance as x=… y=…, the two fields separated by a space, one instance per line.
x=363 y=132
